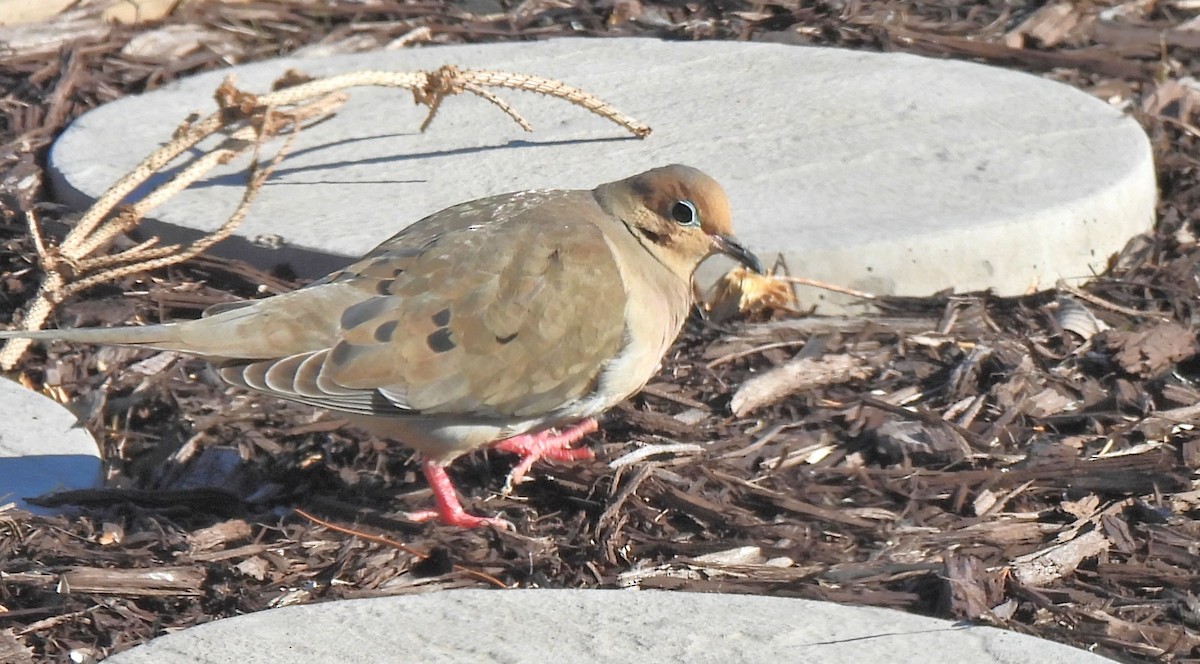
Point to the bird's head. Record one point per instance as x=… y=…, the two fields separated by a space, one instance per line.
x=679 y=214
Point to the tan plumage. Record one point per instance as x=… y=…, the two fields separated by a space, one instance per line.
x=499 y=318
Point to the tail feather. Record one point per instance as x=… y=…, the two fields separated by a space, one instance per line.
x=154 y=336
x=302 y=321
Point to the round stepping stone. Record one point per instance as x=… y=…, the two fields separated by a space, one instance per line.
x=42 y=448
x=486 y=626
x=888 y=173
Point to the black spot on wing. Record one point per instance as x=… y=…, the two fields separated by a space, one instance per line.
x=504 y=341
x=442 y=318
x=440 y=341
x=340 y=353
x=364 y=311
x=384 y=287
x=383 y=333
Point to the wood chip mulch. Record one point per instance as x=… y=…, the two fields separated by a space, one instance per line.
x=1028 y=463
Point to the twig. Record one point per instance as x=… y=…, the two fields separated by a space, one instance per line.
x=795 y=376
x=754 y=351
x=823 y=285
x=654 y=450
x=482 y=576
x=1105 y=304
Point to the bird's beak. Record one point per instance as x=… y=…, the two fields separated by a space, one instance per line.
x=728 y=245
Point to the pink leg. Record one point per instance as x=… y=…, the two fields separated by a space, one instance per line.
x=549 y=444
x=449 y=510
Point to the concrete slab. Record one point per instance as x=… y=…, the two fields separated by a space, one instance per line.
x=883 y=172
x=535 y=626
x=41 y=448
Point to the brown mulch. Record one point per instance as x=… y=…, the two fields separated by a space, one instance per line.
x=1027 y=463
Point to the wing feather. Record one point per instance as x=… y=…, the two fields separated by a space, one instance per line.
x=509 y=306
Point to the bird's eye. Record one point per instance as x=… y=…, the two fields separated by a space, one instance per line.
x=685 y=213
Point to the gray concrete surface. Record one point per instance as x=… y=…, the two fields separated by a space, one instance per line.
x=883 y=172
x=41 y=448
x=627 y=626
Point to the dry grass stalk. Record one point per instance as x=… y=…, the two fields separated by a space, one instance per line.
x=248 y=120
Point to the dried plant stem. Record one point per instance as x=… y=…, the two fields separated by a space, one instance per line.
x=824 y=285
x=431 y=88
x=552 y=88
x=35 y=317
x=84 y=240
x=1105 y=304
x=170 y=255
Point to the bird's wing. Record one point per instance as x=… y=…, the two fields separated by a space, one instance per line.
x=480 y=310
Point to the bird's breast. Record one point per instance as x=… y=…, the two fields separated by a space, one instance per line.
x=656 y=306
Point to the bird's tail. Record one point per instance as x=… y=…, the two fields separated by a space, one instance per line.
x=154 y=336
x=302 y=321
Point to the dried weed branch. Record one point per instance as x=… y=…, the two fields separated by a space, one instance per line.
x=248 y=120
x=449 y=81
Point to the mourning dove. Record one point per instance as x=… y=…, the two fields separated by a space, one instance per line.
x=509 y=321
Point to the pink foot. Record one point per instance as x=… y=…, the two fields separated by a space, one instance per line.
x=549 y=444
x=449 y=510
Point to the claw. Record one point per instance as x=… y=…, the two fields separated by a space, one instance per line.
x=549 y=444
